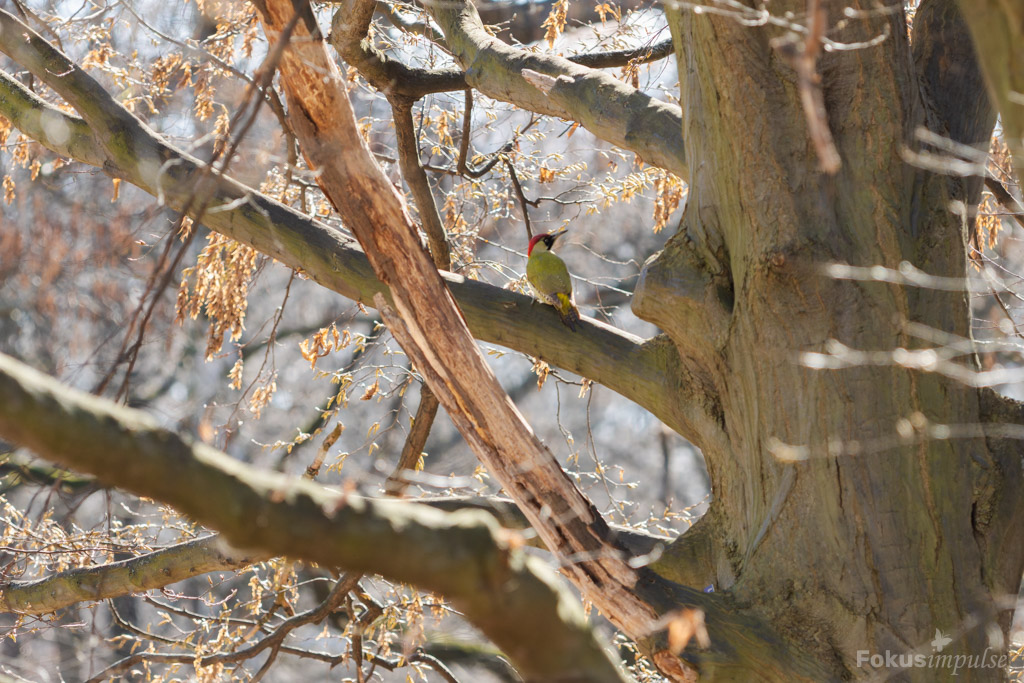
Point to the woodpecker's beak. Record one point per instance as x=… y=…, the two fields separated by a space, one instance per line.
x=558 y=233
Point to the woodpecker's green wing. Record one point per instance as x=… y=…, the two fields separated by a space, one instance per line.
x=547 y=274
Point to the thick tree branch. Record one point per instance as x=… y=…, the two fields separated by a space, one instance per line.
x=387 y=74
x=694 y=307
x=513 y=597
x=692 y=558
x=176 y=563
x=639 y=370
x=607 y=107
x=392 y=77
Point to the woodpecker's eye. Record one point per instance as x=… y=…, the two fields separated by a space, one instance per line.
x=548 y=241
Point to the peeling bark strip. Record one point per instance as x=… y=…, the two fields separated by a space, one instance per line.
x=448 y=357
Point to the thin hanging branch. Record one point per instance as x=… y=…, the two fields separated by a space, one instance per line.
x=440 y=252
x=462 y=166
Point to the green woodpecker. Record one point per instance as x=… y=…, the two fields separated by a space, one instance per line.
x=549 y=277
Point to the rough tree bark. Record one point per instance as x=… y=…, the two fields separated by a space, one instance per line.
x=835 y=511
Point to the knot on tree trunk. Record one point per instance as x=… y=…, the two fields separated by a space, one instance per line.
x=678 y=294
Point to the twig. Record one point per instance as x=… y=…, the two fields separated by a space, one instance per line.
x=1007 y=200
x=435 y=664
x=331 y=603
x=314 y=467
x=266 y=74
x=397 y=482
x=803 y=57
x=467 y=130
x=523 y=201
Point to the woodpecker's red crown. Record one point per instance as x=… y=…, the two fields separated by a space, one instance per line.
x=547 y=237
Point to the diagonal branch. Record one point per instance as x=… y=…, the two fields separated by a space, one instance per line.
x=430 y=220
x=398 y=481
x=435 y=336
x=419 y=185
x=1005 y=199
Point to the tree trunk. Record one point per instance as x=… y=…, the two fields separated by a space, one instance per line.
x=840 y=512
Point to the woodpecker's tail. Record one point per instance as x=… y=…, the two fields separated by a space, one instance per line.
x=567 y=311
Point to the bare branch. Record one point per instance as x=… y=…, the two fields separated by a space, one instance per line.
x=520 y=195
x=419 y=184
x=397 y=482
x=137 y=575
x=169 y=565
x=1005 y=199
x=462 y=165
x=274 y=640
x=607 y=107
